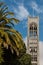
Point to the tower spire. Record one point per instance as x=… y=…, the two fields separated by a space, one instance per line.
x=33 y=11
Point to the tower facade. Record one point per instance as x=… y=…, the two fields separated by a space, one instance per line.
x=33 y=39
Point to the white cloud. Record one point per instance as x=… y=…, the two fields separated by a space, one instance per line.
x=35 y=6
x=21 y=12
x=25 y=41
x=40 y=50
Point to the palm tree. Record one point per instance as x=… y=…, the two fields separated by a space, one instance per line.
x=1 y=53
x=9 y=36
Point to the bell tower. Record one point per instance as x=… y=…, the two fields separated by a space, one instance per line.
x=33 y=39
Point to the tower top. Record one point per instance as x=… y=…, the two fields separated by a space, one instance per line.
x=33 y=19
x=33 y=12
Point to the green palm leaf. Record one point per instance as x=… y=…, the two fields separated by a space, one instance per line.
x=7 y=13
x=4 y=9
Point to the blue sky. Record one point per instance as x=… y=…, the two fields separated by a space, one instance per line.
x=23 y=9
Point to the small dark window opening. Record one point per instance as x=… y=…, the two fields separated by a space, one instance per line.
x=35 y=28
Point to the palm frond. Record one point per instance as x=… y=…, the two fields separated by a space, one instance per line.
x=4 y=9
x=15 y=20
x=13 y=43
x=8 y=13
x=13 y=31
x=8 y=40
x=7 y=26
x=1 y=40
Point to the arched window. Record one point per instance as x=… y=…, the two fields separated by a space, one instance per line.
x=33 y=29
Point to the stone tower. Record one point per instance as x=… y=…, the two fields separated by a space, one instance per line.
x=33 y=39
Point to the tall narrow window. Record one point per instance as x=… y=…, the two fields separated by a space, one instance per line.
x=33 y=29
